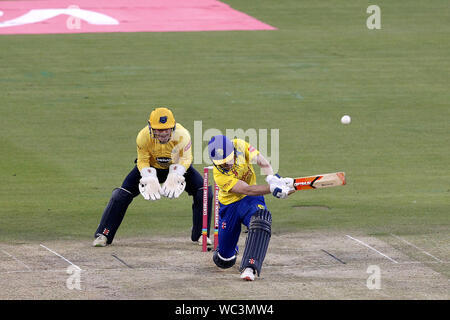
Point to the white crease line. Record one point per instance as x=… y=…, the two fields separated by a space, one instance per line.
x=412 y=245
x=174 y=269
x=422 y=262
x=366 y=245
x=22 y=263
x=34 y=271
x=60 y=256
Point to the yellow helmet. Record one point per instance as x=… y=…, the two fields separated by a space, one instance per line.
x=162 y=118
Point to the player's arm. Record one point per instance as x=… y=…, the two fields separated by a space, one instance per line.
x=264 y=164
x=241 y=187
x=143 y=152
x=267 y=169
x=277 y=188
x=148 y=185
x=255 y=157
x=184 y=151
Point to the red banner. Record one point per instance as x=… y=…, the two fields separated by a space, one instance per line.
x=83 y=16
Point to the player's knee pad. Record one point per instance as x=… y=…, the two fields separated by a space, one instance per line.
x=122 y=195
x=223 y=263
x=261 y=220
x=119 y=202
x=257 y=242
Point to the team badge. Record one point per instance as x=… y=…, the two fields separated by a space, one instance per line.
x=105 y=231
x=251 y=261
x=163 y=119
x=224 y=225
x=260 y=206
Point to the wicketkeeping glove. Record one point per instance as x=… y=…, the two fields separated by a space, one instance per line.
x=149 y=186
x=175 y=182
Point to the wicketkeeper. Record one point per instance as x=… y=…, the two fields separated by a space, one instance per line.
x=242 y=202
x=163 y=169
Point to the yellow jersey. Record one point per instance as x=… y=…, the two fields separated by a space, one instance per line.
x=152 y=153
x=242 y=170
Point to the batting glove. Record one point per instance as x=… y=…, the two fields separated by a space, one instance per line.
x=149 y=186
x=279 y=190
x=272 y=178
x=289 y=182
x=278 y=187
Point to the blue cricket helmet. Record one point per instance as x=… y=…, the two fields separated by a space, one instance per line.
x=220 y=149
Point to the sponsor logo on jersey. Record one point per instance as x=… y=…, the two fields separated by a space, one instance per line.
x=246 y=176
x=164 y=161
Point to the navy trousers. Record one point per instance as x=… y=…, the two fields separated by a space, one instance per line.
x=122 y=197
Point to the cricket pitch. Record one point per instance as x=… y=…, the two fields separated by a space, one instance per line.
x=298 y=266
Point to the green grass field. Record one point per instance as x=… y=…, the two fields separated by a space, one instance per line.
x=72 y=105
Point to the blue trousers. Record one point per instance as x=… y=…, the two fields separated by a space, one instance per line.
x=231 y=218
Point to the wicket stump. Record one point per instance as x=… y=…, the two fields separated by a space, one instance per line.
x=205 y=210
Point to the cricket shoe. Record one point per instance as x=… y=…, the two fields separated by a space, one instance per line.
x=248 y=274
x=100 y=241
x=208 y=241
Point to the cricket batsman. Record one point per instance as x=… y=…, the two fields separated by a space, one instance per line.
x=163 y=169
x=241 y=201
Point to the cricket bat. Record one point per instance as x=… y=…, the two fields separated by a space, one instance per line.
x=326 y=180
